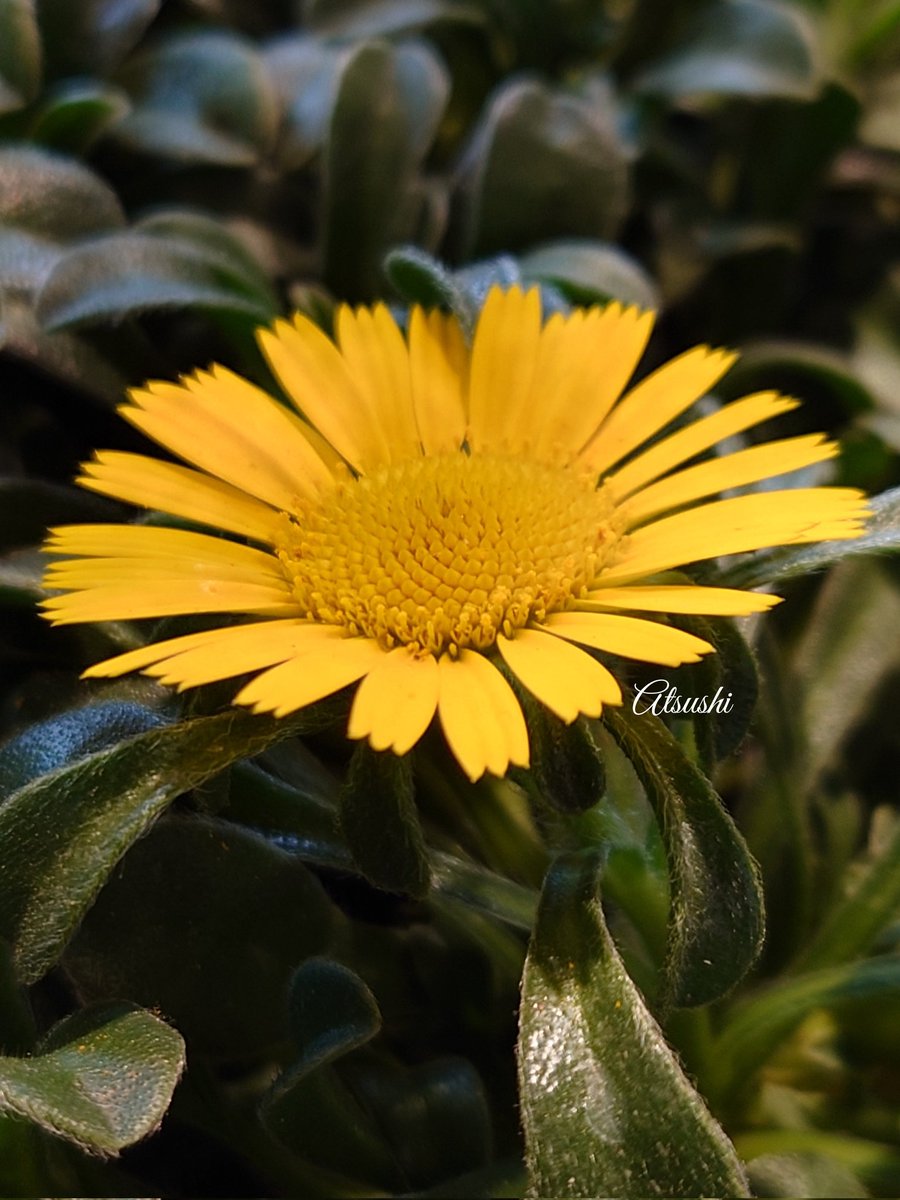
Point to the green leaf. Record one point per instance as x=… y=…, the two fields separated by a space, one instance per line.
x=20 y=54
x=309 y=1106
x=606 y=1109
x=853 y=925
x=542 y=164
x=62 y=834
x=716 y=921
x=18 y=1032
x=185 y=925
x=843 y=653
x=802 y=1174
x=76 y=113
x=384 y=18
x=50 y=197
x=421 y=279
x=386 y=114
x=381 y=824
x=739 y=48
x=47 y=202
x=566 y=767
x=126 y=274
x=102 y=1079
x=201 y=98
x=92 y=36
x=589 y=272
x=882 y=536
x=758 y=1025
x=306 y=72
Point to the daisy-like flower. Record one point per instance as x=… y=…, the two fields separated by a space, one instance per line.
x=432 y=511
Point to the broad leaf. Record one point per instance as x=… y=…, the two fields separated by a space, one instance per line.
x=127 y=274
x=102 y=1079
x=739 y=48
x=716 y=922
x=92 y=35
x=588 y=271
x=201 y=98
x=607 y=1110
x=74 y=115
x=62 y=833
x=185 y=925
x=543 y=163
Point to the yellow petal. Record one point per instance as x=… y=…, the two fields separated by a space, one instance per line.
x=700 y=435
x=647 y=641
x=678 y=598
x=728 y=471
x=378 y=362
x=584 y=362
x=141 y=542
x=562 y=677
x=437 y=357
x=333 y=663
x=314 y=375
x=214 y=654
x=653 y=403
x=737 y=525
x=480 y=716
x=504 y=356
x=235 y=431
x=180 y=491
x=169 y=598
x=395 y=702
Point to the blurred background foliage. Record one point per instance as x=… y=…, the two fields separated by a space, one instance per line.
x=173 y=174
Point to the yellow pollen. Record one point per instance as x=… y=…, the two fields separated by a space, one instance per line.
x=448 y=551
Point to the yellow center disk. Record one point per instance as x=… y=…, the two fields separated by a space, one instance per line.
x=449 y=551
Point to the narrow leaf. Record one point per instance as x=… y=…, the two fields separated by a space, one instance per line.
x=381 y=824
x=716 y=921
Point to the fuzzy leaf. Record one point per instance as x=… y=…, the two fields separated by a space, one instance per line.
x=126 y=274
x=587 y=272
x=102 y=1079
x=381 y=824
x=716 y=922
x=542 y=164
x=739 y=48
x=385 y=116
x=62 y=833
x=201 y=98
x=607 y=1110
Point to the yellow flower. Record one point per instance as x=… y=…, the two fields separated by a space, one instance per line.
x=436 y=511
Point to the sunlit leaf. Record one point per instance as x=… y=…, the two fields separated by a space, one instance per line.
x=102 y=1079
x=607 y=1110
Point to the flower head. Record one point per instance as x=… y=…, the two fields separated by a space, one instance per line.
x=435 y=517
